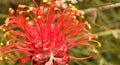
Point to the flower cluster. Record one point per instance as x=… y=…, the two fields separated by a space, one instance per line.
x=44 y=34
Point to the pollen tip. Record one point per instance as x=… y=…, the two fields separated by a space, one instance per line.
x=1 y=44
x=4 y=29
x=70 y=5
x=90 y=38
x=1 y=58
x=6 y=57
x=89 y=26
x=99 y=44
x=6 y=22
x=27 y=18
x=7 y=43
x=21 y=6
x=95 y=51
x=44 y=1
x=41 y=7
x=55 y=8
x=20 y=12
x=82 y=16
x=74 y=17
x=11 y=10
x=39 y=17
x=49 y=3
x=1 y=27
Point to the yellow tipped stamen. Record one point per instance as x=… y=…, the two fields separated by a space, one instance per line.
x=27 y=18
x=39 y=17
x=89 y=26
x=21 y=6
x=1 y=27
x=6 y=22
x=45 y=1
x=82 y=16
x=49 y=2
x=20 y=12
x=1 y=58
x=74 y=17
x=55 y=8
x=82 y=13
x=7 y=33
x=70 y=4
x=41 y=7
x=77 y=14
x=30 y=8
x=7 y=43
x=95 y=51
x=90 y=38
x=4 y=29
x=96 y=36
x=6 y=57
x=99 y=44
x=11 y=10
x=1 y=44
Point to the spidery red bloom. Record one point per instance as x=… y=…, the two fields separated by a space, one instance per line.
x=44 y=34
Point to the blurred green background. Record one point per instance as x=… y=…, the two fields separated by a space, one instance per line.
x=104 y=21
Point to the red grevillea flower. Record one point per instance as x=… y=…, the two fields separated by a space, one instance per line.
x=45 y=34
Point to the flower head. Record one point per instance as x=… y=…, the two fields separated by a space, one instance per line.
x=45 y=34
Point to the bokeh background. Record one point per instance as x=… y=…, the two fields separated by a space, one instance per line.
x=104 y=17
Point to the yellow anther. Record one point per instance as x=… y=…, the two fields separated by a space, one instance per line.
x=89 y=26
x=90 y=38
x=27 y=18
x=49 y=2
x=45 y=1
x=30 y=8
x=7 y=33
x=74 y=17
x=7 y=43
x=1 y=27
x=96 y=36
x=55 y=8
x=77 y=14
x=21 y=6
x=70 y=4
x=4 y=29
x=41 y=7
x=95 y=51
x=81 y=12
x=1 y=44
x=82 y=16
x=1 y=58
x=99 y=44
x=11 y=10
x=6 y=22
x=6 y=57
x=39 y=17
x=20 y=12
